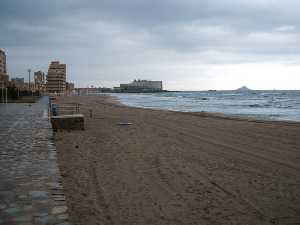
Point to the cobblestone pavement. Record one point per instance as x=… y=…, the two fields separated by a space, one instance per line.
x=30 y=184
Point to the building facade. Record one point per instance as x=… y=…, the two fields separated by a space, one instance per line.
x=142 y=86
x=70 y=87
x=39 y=81
x=20 y=84
x=17 y=81
x=39 y=77
x=56 y=78
x=4 y=78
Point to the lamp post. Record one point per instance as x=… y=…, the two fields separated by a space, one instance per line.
x=6 y=95
x=2 y=92
x=29 y=82
x=29 y=70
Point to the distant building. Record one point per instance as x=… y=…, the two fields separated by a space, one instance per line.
x=106 y=90
x=4 y=78
x=39 y=77
x=142 y=86
x=117 y=89
x=19 y=83
x=56 y=78
x=70 y=87
x=39 y=81
x=87 y=91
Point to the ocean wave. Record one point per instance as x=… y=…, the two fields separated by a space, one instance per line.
x=203 y=99
x=285 y=106
x=259 y=105
x=275 y=115
x=266 y=103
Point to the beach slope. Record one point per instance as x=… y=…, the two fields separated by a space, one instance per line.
x=178 y=168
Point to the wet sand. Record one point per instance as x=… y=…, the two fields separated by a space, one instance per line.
x=178 y=168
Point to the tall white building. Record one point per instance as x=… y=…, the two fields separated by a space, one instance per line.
x=3 y=72
x=56 y=78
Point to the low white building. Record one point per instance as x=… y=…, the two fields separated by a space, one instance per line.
x=142 y=86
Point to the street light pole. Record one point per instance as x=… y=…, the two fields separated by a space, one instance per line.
x=29 y=86
x=2 y=92
x=29 y=70
x=6 y=95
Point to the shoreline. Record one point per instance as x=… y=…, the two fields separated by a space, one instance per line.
x=177 y=168
x=117 y=101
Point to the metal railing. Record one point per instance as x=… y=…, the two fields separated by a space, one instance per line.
x=64 y=109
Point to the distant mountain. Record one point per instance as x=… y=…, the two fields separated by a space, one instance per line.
x=244 y=88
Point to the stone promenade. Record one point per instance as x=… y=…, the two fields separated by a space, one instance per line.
x=30 y=183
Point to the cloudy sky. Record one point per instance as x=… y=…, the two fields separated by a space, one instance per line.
x=189 y=44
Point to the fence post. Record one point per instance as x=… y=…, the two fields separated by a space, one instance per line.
x=6 y=95
x=2 y=92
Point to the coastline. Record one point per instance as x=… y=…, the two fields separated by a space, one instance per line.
x=242 y=117
x=178 y=168
x=261 y=105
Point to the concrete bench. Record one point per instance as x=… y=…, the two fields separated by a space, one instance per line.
x=68 y=122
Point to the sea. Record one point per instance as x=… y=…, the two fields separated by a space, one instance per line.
x=266 y=105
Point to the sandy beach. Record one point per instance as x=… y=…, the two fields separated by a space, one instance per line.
x=178 y=168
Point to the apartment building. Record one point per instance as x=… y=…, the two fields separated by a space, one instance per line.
x=56 y=78
x=39 y=81
x=4 y=78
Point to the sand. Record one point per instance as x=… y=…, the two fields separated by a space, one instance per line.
x=178 y=168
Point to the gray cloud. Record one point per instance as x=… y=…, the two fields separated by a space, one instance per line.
x=99 y=35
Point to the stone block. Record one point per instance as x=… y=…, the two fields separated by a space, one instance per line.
x=68 y=122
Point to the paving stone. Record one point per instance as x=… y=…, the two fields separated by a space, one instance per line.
x=8 y=195
x=44 y=202
x=40 y=214
x=2 y=206
x=63 y=216
x=49 y=220
x=53 y=184
x=22 y=196
x=30 y=179
x=38 y=194
x=12 y=210
x=28 y=207
x=26 y=218
x=42 y=220
x=59 y=197
x=59 y=209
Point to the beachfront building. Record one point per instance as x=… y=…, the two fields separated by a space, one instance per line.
x=39 y=81
x=39 y=77
x=142 y=86
x=70 y=87
x=87 y=91
x=56 y=78
x=4 y=78
x=19 y=83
